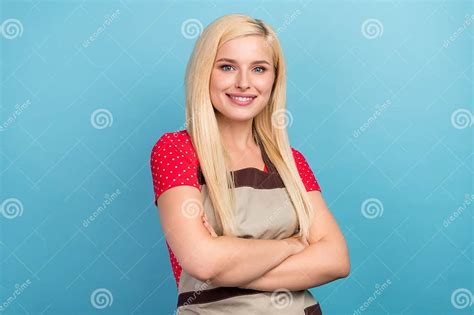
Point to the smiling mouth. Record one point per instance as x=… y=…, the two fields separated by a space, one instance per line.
x=241 y=101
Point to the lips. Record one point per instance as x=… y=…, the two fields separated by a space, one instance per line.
x=241 y=99
x=241 y=94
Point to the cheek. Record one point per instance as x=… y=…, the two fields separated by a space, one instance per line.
x=220 y=81
x=264 y=85
x=217 y=84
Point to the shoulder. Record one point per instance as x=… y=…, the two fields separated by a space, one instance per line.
x=305 y=171
x=296 y=154
x=174 y=141
x=173 y=162
x=174 y=145
x=299 y=158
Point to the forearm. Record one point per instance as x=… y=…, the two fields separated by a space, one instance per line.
x=238 y=261
x=320 y=263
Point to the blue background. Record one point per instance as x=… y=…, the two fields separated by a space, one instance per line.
x=414 y=158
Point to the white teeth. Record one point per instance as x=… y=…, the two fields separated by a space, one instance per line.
x=242 y=99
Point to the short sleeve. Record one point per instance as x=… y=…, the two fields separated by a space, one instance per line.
x=172 y=164
x=306 y=174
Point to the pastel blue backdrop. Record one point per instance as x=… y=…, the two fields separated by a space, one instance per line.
x=380 y=97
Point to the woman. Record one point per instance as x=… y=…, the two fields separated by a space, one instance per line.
x=241 y=210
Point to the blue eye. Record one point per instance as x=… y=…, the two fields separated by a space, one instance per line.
x=224 y=66
x=229 y=67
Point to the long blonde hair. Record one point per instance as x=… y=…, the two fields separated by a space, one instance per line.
x=204 y=132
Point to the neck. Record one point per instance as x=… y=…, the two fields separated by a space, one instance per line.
x=236 y=135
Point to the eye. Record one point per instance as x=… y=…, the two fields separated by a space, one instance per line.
x=224 y=67
x=262 y=69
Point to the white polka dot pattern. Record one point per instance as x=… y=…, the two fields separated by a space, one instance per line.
x=174 y=163
x=305 y=171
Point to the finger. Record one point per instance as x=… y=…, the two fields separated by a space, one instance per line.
x=211 y=229
x=208 y=228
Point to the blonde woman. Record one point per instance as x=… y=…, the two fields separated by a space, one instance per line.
x=246 y=226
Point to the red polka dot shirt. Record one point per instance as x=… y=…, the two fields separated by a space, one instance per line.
x=174 y=162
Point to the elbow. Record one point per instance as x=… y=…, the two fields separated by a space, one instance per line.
x=344 y=263
x=203 y=275
x=208 y=272
x=345 y=271
x=344 y=268
x=202 y=266
x=200 y=271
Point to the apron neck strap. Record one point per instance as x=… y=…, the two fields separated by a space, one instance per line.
x=266 y=159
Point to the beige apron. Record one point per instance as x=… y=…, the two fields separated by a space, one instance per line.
x=264 y=211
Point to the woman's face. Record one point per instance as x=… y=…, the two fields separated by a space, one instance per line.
x=242 y=78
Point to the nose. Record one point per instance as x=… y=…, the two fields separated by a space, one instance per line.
x=242 y=81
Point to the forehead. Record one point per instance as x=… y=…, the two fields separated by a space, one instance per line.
x=246 y=49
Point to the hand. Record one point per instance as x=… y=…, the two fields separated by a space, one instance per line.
x=208 y=226
x=297 y=243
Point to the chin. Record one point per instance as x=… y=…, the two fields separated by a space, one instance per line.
x=239 y=118
x=231 y=113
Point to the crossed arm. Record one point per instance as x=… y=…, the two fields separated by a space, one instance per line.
x=264 y=265
x=324 y=260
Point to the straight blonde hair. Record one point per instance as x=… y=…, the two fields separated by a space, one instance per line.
x=204 y=132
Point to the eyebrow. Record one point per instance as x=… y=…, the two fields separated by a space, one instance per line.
x=234 y=61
